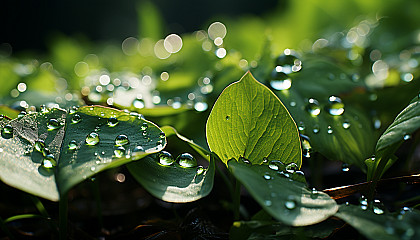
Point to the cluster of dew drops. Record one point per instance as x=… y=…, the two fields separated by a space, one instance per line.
x=185 y=160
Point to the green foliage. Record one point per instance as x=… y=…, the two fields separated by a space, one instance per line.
x=63 y=140
x=248 y=121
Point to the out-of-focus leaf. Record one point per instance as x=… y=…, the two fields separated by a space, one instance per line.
x=249 y=121
x=286 y=200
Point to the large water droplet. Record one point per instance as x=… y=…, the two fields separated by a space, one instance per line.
x=92 y=139
x=138 y=103
x=292 y=167
x=313 y=107
x=7 y=131
x=76 y=118
x=53 y=124
x=335 y=106
x=275 y=165
x=280 y=80
x=186 y=160
x=200 y=170
x=49 y=161
x=119 y=152
x=112 y=122
x=39 y=145
x=200 y=106
x=165 y=158
x=72 y=144
x=121 y=140
x=346 y=124
x=290 y=204
x=288 y=63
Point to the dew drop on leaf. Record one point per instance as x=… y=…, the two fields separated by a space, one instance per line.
x=92 y=139
x=162 y=135
x=288 y=63
x=72 y=144
x=290 y=204
x=144 y=126
x=345 y=167
x=7 y=131
x=76 y=118
x=49 y=162
x=39 y=145
x=268 y=203
x=53 y=124
x=280 y=80
x=200 y=170
x=119 y=152
x=121 y=140
x=330 y=130
x=21 y=114
x=186 y=160
x=112 y=122
x=165 y=158
x=335 y=106
x=138 y=103
x=346 y=124
x=292 y=167
x=315 y=129
x=138 y=149
x=313 y=107
x=406 y=137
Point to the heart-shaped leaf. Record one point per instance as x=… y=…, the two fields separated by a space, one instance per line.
x=286 y=200
x=249 y=121
x=49 y=152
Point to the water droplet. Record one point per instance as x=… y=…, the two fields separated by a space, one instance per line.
x=227 y=117
x=313 y=107
x=288 y=63
x=346 y=124
x=280 y=80
x=112 y=122
x=72 y=144
x=165 y=158
x=138 y=149
x=7 y=131
x=290 y=204
x=315 y=129
x=200 y=106
x=345 y=167
x=268 y=203
x=44 y=109
x=314 y=193
x=200 y=170
x=406 y=137
x=76 y=118
x=21 y=114
x=92 y=169
x=265 y=160
x=162 y=135
x=53 y=124
x=186 y=160
x=49 y=162
x=244 y=160
x=376 y=122
x=119 y=152
x=378 y=207
x=121 y=140
x=301 y=126
x=92 y=139
x=306 y=147
x=292 y=167
x=39 y=145
x=330 y=130
x=45 y=152
x=267 y=176
x=144 y=126
x=138 y=103
x=335 y=106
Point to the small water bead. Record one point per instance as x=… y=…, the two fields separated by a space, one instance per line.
x=292 y=167
x=121 y=140
x=345 y=167
x=335 y=106
x=378 y=207
x=165 y=158
x=72 y=110
x=21 y=114
x=265 y=160
x=44 y=109
x=306 y=147
x=290 y=204
x=315 y=129
x=301 y=126
x=76 y=118
x=162 y=135
x=406 y=137
x=227 y=118
x=45 y=151
x=7 y=131
x=268 y=203
x=72 y=144
x=200 y=170
x=53 y=124
x=39 y=145
x=92 y=169
x=314 y=193
x=346 y=124
x=274 y=165
x=186 y=160
x=313 y=107
x=267 y=176
x=138 y=103
x=280 y=80
x=376 y=122
x=49 y=161
x=144 y=126
x=92 y=139
x=330 y=130
x=112 y=122
x=119 y=152
x=138 y=149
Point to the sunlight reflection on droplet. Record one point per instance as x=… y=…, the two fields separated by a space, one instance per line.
x=21 y=87
x=164 y=76
x=104 y=80
x=173 y=43
x=221 y=53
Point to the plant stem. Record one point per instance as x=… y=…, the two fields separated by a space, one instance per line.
x=236 y=201
x=63 y=216
x=39 y=206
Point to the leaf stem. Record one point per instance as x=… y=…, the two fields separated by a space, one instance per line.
x=63 y=216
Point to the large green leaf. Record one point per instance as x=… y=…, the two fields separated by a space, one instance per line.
x=286 y=200
x=173 y=183
x=249 y=121
x=385 y=226
x=407 y=121
x=21 y=163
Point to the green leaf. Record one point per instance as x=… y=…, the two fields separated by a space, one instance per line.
x=385 y=226
x=173 y=183
x=21 y=164
x=249 y=121
x=407 y=121
x=286 y=200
